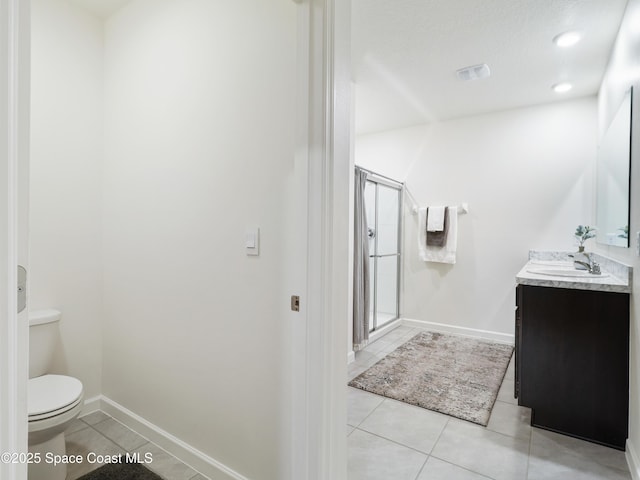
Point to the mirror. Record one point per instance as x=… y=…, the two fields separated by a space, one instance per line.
x=613 y=173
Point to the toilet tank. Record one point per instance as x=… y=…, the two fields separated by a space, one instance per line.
x=43 y=336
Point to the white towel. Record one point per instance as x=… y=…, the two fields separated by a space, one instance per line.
x=446 y=254
x=435 y=220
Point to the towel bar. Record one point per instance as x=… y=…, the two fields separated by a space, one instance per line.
x=462 y=209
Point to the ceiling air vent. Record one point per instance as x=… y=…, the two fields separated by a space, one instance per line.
x=474 y=72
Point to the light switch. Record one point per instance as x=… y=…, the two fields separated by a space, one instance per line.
x=252 y=241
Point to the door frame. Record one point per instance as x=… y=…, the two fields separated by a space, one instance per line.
x=14 y=179
x=319 y=418
x=324 y=93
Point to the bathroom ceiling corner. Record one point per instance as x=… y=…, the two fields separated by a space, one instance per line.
x=405 y=54
x=101 y=8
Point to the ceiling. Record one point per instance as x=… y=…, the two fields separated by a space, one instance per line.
x=405 y=54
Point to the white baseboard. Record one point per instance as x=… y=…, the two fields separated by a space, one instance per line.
x=463 y=331
x=381 y=332
x=632 y=461
x=351 y=357
x=184 y=452
x=91 y=405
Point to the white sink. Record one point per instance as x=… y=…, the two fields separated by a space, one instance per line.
x=565 y=272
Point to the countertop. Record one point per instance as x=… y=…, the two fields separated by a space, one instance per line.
x=618 y=276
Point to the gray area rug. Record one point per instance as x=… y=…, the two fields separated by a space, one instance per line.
x=449 y=374
x=121 y=471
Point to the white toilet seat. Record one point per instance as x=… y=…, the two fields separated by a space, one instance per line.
x=51 y=396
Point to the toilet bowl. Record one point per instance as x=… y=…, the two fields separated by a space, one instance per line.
x=53 y=401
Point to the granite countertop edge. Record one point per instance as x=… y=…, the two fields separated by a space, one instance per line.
x=618 y=279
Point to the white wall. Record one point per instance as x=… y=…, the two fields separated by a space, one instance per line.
x=66 y=158
x=623 y=71
x=200 y=124
x=393 y=153
x=527 y=175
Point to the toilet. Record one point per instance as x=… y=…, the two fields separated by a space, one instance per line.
x=53 y=401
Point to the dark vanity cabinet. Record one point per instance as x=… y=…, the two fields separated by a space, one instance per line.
x=572 y=361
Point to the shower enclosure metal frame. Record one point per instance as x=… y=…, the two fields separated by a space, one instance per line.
x=377 y=180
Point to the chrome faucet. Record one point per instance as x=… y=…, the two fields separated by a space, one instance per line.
x=591 y=266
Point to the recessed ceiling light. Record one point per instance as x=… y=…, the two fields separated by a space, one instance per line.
x=562 y=87
x=567 y=39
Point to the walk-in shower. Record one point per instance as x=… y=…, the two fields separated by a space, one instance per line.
x=383 y=205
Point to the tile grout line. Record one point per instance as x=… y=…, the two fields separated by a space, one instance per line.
x=371 y=412
x=463 y=468
x=430 y=454
x=570 y=451
x=439 y=437
x=392 y=441
x=147 y=442
x=526 y=450
x=486 y=429
x=422 y=467
x=449 y=417
x=91 y=426
x=116 y=443
x=434 y=446
x=529 y=453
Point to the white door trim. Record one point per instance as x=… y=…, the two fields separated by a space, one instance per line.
x=14 y=142
x=320 y=441
x=324 y=86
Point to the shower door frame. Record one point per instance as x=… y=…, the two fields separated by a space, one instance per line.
x=378 y=179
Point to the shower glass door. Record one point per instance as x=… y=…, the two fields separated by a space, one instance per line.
x=383 y=207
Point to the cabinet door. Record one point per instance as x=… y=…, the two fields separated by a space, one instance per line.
x=574 y=361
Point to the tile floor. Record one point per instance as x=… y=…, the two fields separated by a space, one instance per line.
x=101 y=434
x=390 y=440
